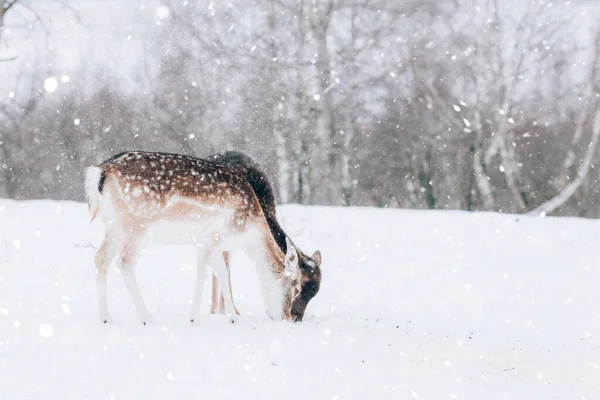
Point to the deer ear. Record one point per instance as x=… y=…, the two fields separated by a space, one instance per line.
x=316 y=257
x=291 y=261
x=288 y=242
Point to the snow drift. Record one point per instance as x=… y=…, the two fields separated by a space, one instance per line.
x=413 y=304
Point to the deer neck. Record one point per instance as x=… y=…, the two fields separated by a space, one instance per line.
x=276 y=230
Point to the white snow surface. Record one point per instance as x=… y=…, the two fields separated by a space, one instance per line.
x=413 y=305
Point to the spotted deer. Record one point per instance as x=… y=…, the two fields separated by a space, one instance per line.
x=177 y=199
x=310 y=267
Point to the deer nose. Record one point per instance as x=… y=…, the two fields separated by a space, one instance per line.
x=296 y=317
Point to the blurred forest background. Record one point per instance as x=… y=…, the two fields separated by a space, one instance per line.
x=440 y=104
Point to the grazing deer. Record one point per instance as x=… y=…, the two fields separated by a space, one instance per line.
x=310 y=267
x=176 y=199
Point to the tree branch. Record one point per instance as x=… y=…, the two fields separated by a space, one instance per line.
x=568 y=191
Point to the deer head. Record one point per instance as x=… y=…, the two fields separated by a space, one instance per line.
x=292 y=281
x=310 y=280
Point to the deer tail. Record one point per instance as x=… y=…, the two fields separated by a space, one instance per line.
x=94 y=181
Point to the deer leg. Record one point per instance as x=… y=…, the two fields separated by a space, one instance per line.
x=226 y=257
x=200 y=279
x=104 y=256
x=221 y=303
x=219 y=268
x=214 y=299
x=270 y=286
x=127 y=262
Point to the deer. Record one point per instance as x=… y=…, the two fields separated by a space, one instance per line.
x=143 y=197
x=310 y=267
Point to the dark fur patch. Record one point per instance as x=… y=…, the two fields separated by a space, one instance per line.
x=112 y=159
x=101 y=181
x=103 y=164
x=261 y=186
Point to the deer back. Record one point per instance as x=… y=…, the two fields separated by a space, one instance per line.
x=147 y=187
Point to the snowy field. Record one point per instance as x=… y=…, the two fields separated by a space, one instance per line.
x=413 y=305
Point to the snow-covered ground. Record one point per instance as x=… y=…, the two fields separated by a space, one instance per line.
x=413 y=304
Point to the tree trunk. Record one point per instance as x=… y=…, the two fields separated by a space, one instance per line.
x=582 y=116
x=348 y=133
x=330 y=173
x=481 y=178
x=2 y=5
x=281 y=152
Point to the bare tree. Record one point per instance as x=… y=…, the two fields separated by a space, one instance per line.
x=572 y=187
x=363 y=102
x=590 y=102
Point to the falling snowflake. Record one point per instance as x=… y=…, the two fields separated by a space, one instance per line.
x=50 y=84
x=162 y=12
x=46 y=330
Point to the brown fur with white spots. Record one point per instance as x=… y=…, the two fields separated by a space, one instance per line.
x=143 y=196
